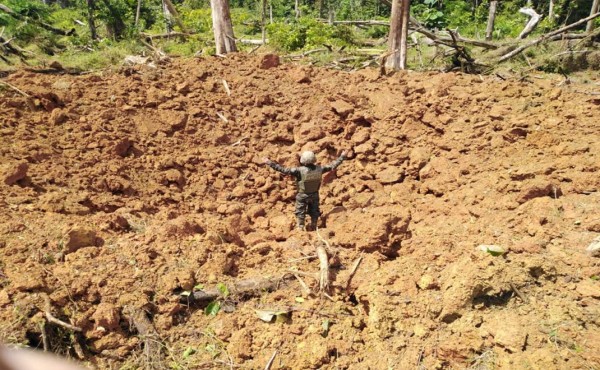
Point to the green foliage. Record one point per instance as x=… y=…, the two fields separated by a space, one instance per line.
x=198 y=20
x=307 y=33
x=429 y=14
x=23 y=31
x=107 y=53
x=223 y=290
x=213 y=308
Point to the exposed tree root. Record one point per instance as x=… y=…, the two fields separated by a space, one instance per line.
x=153 y=346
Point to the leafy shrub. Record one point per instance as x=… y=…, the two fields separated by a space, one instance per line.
x=429 y=15
x=307 y=33
x=198 y=20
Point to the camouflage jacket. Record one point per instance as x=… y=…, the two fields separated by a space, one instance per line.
x=308 y=178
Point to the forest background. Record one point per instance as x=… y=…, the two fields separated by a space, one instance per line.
x=99 y=33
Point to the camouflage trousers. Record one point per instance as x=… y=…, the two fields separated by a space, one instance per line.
x=307 y=203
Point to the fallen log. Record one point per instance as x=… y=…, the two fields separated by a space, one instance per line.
x=167 y=35
x=243 y=288
x=546 y=37
x=253 y=42
x=416 y=26
x=362 y=23
x=10 y=49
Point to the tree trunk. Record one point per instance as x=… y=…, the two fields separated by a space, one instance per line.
x=491 y=18
x=393 y=61
x=398 y=34
x=297 y=8
x=222 y=28
x=270 y=13
x=91 y=20
x=590 y=25
x=551 y=11
x=137 y=13
x=167 y=15
x=404 y=33
x=264 y=20
x=116 y=26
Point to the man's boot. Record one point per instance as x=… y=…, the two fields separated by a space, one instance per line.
x=313 y=223
x=300 y=225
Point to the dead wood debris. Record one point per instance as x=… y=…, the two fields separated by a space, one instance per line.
x=243 y=288
x=352 y=273
x=51 y=318
x=518 y=292
x=153 y=346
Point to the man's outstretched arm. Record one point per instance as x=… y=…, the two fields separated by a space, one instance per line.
x=279 y=168
x=336 y=163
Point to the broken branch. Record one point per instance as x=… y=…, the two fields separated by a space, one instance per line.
x=247 y=287
x=16 y=89
x=533 y=21
x=53 y=319
x=352 y=272
x=546 y=37
x=153 y=357
x=323 y=269
x=302 y=283
x=270 y=363
x=518 y=292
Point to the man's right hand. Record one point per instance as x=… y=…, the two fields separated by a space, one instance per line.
x=266 y=160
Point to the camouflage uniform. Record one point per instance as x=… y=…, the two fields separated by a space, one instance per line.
x=308 y=182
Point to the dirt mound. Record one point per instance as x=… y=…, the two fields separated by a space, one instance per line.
x=126 y=192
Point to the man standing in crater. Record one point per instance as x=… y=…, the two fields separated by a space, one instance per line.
x=308 y=181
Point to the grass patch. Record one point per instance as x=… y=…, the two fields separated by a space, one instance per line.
x=106 y=54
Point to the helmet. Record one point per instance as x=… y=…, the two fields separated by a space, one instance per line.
x=308 y=157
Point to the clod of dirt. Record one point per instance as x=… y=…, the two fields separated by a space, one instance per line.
x=300 y=75
x=390 y=175
x=122 y=146
x=58 y=116
x=427 y=282
x=106 y=316
x=538 y=189
x=269 y=61
x=382 y=229
x=80 y=237
x=594 y=248
x=507 y=331
x=342 y=108
x=13 y=172
x=589 y=288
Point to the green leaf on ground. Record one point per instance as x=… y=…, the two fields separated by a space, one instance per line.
x=223 y=290
x=213 y=308
x=188 y=352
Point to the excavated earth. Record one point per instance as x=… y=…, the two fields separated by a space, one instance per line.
x=131 y=190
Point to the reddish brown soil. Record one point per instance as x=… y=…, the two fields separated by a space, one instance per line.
x=126 y=188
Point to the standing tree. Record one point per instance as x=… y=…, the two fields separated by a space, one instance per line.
x=222 y=28
x=398 y=34
x=137 y=12
x=491 y=19
x=91 y=20
x=595 y=8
